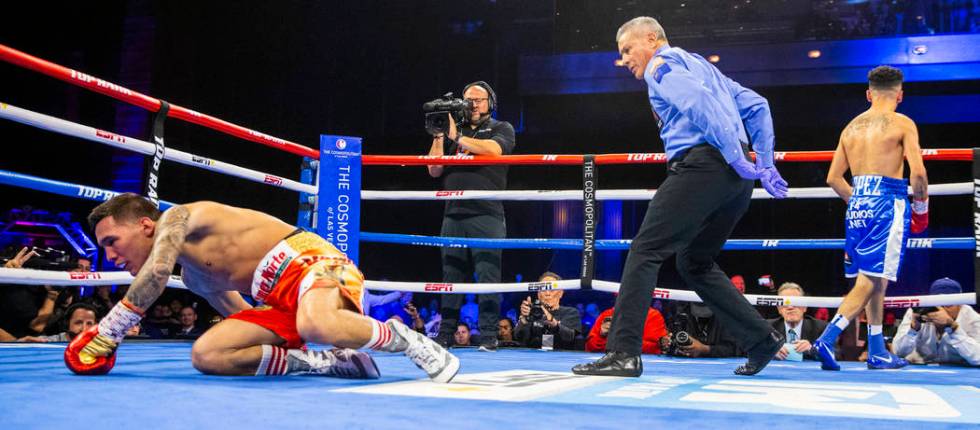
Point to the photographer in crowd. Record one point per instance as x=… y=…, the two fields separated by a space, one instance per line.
x=465 y=127
x=653 y=330
x=544 y=320
x=694 y=331
x=941 y=334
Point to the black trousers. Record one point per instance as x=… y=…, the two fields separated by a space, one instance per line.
x=459 y=265
x=691 y=215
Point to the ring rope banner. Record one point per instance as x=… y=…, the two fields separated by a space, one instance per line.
x=590 y=181
x=153 y=172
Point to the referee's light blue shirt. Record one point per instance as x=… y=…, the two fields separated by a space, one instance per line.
x=695 y=103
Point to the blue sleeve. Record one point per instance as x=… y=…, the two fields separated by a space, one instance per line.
x=682 y=90
x=755 y=113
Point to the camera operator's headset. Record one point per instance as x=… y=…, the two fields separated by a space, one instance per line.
x=491 y=95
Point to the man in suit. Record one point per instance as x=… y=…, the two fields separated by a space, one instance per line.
x=799 y=329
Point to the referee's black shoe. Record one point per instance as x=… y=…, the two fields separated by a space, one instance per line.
x=612 y=364
x=762 y=353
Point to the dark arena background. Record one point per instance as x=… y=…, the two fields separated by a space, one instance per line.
x=298 y=70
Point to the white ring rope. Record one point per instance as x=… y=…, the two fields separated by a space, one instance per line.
x=44 y=277
x=69 y=128
x=962 y=188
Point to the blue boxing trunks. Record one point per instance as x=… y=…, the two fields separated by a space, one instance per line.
x=877 y=223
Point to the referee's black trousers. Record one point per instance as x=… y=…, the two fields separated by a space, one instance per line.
x=691 y=215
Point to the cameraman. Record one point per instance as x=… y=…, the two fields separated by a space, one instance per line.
x=546 y=317
x=694 y=331
x=943 y=334
x=479 y=134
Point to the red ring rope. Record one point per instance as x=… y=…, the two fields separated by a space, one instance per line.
x=958 y=154
x=118 y=92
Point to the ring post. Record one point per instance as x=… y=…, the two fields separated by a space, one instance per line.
x=338 y=207
x=307 y=202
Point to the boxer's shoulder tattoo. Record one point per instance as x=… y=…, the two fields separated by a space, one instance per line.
x=869 y=122
x=171 y=231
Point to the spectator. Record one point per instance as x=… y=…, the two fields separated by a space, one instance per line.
x=546 y=317
x=188 y=328
x=943 y=334
x=462 y=335
x=739 y=282
x=799 y=329
x=505 y=333
x=372 y=300
x=417 y=322
x=653 y=329
x=102 y=299
x=470 y=311
x=80 y=316
x=707 y=337
x=19 y=304
x=176 y=306
x=160 y=324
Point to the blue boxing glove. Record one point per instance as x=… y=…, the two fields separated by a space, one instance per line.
x=745 y=169
x=774 y=184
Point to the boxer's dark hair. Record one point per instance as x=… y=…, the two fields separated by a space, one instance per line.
x=885 y=78
x=124 y=207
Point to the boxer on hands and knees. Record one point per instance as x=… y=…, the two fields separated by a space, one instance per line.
x=877 y=222
x=310 y=290
x=706 y=120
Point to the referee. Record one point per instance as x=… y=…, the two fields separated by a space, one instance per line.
x=705 y=120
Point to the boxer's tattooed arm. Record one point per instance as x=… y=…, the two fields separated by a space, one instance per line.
x=171 y=230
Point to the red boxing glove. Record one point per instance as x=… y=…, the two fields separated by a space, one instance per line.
x=920 y=215
x=91 y=353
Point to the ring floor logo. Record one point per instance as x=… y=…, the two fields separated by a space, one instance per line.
x=870 y=400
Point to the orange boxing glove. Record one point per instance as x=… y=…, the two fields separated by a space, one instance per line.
x=920 y=215
x=91 y=353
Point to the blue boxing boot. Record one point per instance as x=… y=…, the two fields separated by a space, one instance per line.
x=824 y=345
x=878 y=356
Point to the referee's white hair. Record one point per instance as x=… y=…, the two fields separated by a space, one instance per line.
x=643 y=24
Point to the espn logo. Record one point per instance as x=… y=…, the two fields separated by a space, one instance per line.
x=449 y=193
x=769 y=301
x=770 y=243
x=274 y=180
x=84 y=275
x=661 y=294
x=901 y=303
x=549 y=157
x=540 y=286
x=436 y=288
x=930 y=152
x=106 y=135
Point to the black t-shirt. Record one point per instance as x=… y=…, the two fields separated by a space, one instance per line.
x=478 y=177
x=18 y=307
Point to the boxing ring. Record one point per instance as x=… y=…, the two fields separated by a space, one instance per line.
x=154 y=382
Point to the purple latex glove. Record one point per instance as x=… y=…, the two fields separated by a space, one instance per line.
x=774 y=184
x=745 y=169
